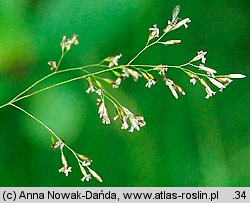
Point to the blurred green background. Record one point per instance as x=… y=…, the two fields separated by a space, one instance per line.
x=187 y=142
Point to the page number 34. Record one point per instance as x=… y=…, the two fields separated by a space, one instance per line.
x=239 y=195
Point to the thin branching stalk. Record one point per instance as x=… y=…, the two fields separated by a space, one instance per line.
x=145 y=48
x=36 y=119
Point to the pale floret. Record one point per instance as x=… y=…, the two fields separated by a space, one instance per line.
x=114 y=60
x=154 y=32
x=150 y=83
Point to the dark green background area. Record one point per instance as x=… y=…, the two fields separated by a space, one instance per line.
x=187 y=142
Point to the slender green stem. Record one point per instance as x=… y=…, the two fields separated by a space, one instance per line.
x=42 y=79
x=47 y=88
x=146 y=47
x=61 y=58
x=48 y=76
x=112 y=99
x=7 y=104
x=180 y=67
x=79 y=68
x=106 y=94
x=73 y=152
x=18 y=97
x=185 y=70
x=44 y=125
x=64 y=82
x=33 y=85
x=37 y=120
x=138 y=54
x=194 y=65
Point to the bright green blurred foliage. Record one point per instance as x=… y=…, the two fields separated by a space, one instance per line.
x=187 y=142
